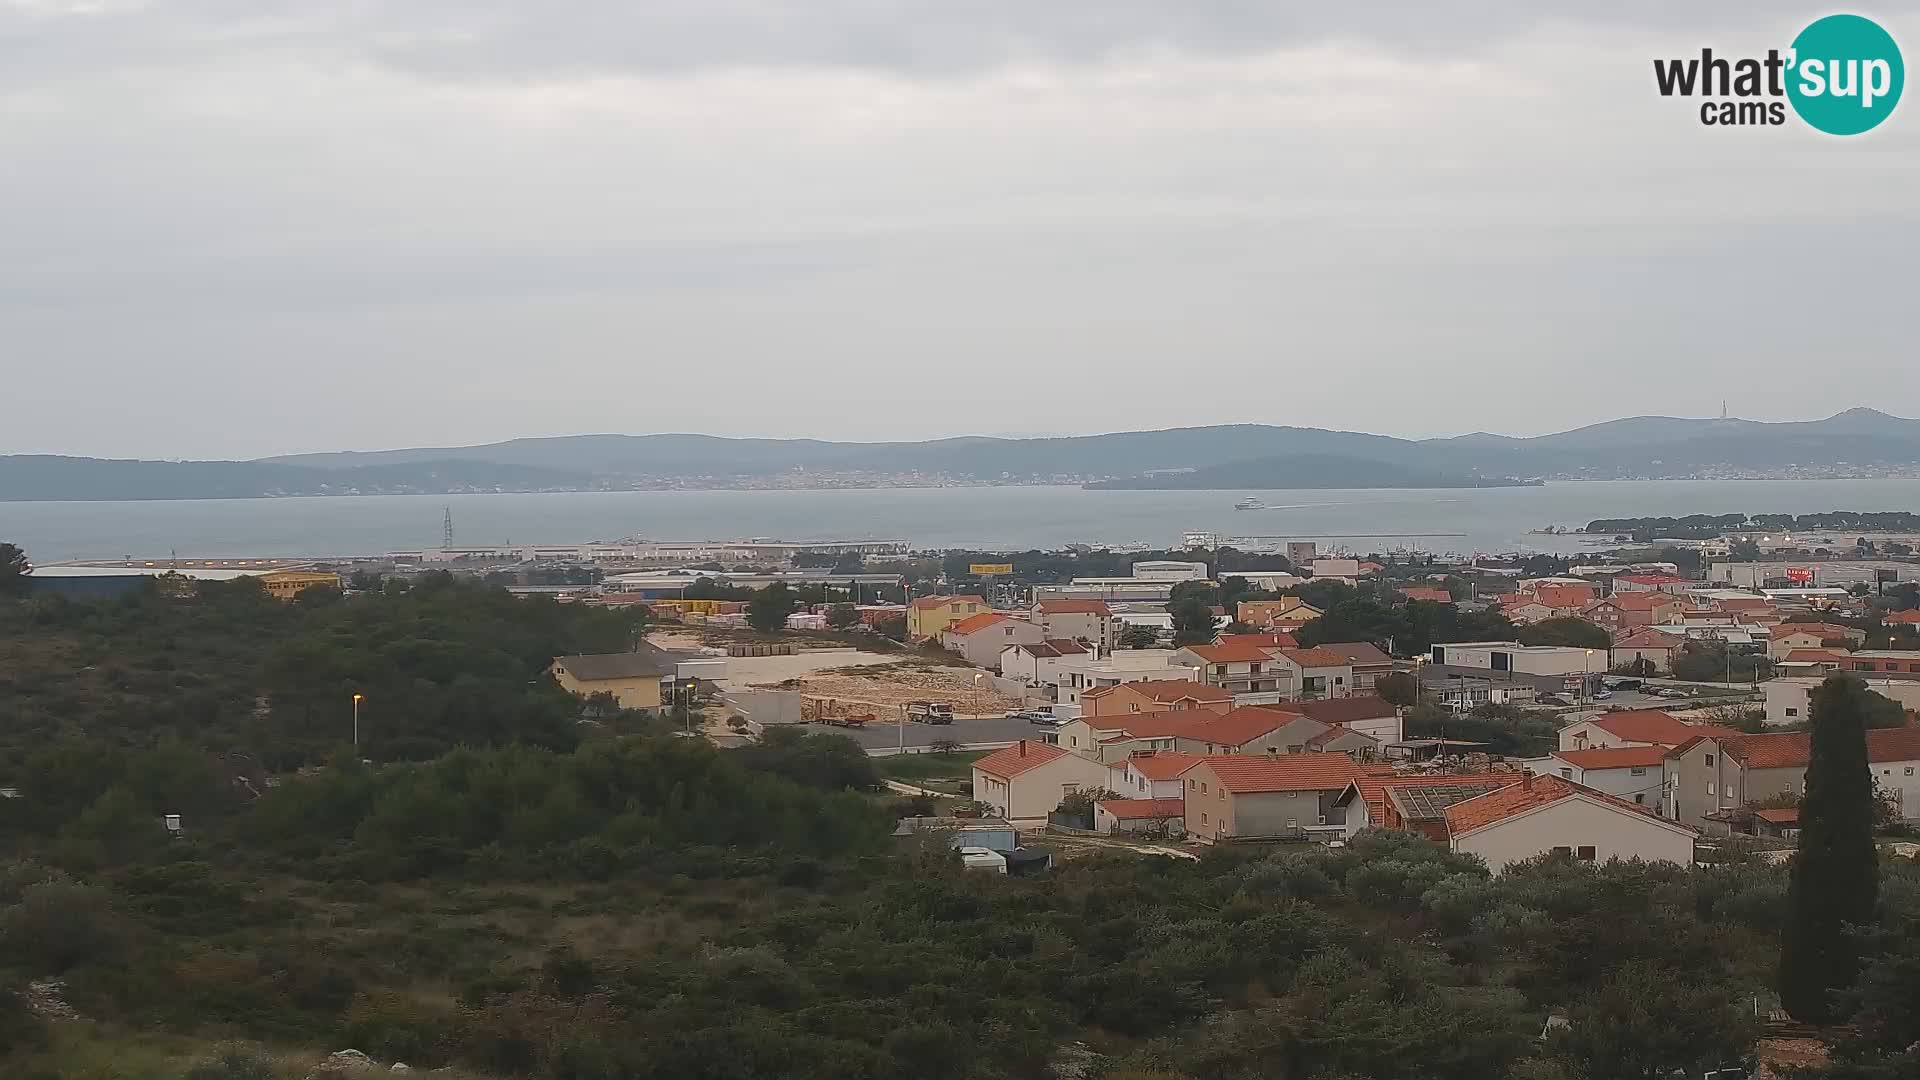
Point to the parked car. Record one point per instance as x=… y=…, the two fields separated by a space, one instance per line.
x=1551 y=699
x=1044 y=719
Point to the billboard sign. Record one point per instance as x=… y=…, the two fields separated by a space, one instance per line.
x=1800 y=575
x=990 y=569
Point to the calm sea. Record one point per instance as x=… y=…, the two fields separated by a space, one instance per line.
x=1488 y=520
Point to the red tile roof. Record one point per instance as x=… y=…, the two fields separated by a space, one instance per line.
x=1902 y=617
x=1357 y=652
x=1267 y=641
x=1142 y=809
x=1815 y=656
x=1655 y=727
x=1315 y=657
x=1022 y=757
x=1373 y=790
x=1651 y=579
x=1614 y=757
x=976 y=623
x=1647 y=638
x=1794 y=749
x=1238 y=727
x=1824 y=631
x=1565 y=596
x=1636 y=601
x=1165 y=690
x=1779 y=815
x=1230 y=654
x=1245 y=774
x=1530 y=794
x=1161 y=764
x=1422 y=592
x=1338 y=711
x=1073 y=607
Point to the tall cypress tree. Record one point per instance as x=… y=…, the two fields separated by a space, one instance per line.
x=1836 y=873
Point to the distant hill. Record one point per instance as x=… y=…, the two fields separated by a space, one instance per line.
x=1300 y=471
x=1642 y=446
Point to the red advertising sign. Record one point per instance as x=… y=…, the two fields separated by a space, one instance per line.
x=1799 y=575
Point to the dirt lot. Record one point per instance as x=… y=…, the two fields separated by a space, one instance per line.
x=886 y=689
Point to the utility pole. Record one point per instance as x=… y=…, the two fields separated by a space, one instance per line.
x=446 y=529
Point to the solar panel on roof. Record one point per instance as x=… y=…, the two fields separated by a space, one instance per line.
x=1430 y=802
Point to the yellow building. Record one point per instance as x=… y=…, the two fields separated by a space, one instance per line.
x=929 y=615
x=287 y=584
x=633 y=679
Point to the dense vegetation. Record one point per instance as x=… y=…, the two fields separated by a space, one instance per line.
x=627 y=904
x=1707 y=526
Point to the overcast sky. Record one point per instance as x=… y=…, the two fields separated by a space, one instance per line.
x=243 y=227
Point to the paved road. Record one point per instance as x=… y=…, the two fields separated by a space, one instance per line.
x=984 y=729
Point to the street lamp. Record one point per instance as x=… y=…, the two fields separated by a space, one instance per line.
x=977 y=676
x=357 y=696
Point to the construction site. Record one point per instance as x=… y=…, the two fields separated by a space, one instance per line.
x=885 y=692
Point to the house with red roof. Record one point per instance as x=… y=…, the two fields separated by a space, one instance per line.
x=1090 y=621
x=1245 y=796
x=1784 y=638
x=1624 y=611
x=1141 y=817
x=1901 y=618
x=1549 y=815
x=1368 y=714
x=1041 y=662
x=1366 y=660
x=1633 y=727
x=1027 y=780
x=1150 y=774
x=1711 y=775
x=1415 y=802
x=1153 y=695
x=1266 y=640
x=1634 y=773
x=1428 y=593
x=1638 y=644
x=927 y=616
x=980 y=639
x=1526 y=611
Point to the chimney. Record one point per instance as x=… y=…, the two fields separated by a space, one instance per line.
x=1023 y=748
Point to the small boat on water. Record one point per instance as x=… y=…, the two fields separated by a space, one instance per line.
x=1249 y=504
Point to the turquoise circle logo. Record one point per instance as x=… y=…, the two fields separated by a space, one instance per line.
x=1846 y=74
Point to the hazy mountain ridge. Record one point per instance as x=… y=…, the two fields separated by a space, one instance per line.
x=1642 y=446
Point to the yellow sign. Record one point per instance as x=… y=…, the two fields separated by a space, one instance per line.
x=986 y=569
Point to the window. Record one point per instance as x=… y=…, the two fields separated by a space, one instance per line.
x=1709 y=787
x=1791 y=711
x=1909 y=770
x=1203 y=788
x=1191 y=784
x=1586 y=852
x=1566 y=774
x=1640 y=799
x=1637 y=770
x=1563 y=851
x=1709 y=761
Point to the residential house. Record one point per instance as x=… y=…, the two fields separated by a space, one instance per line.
x=1266 y=640
x=1255 y=730
x=632 y=679
x=1151 y=696
x=1318 y=673
x=1754 y=610
x=1090 y=621
x=1413 y=801
x=1526 y=612
x=1155 y=817
x=1082 y=675
x=1624 y=611
x=1634 y=727
x=1027 y=780
x=1511 y=656
x=1150 y=774
x=1564 y=598
x=1368 y=714
x=1548 y=814
x=980 y=639
x=1112 y=739
x=1712 y=775
x=1239 y=669
x=1790 y=698
x=1644 y=644
x=1040 y=663
x=1887 y=661
x=1651 y=583
x=1784 y=638
x=1634 y=773
x=1287 y=611
x=1428 y=593
x=1901 y=618
x=1246 y=796
x=1366 y=660
x=927 y=616
x=1806 y=662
